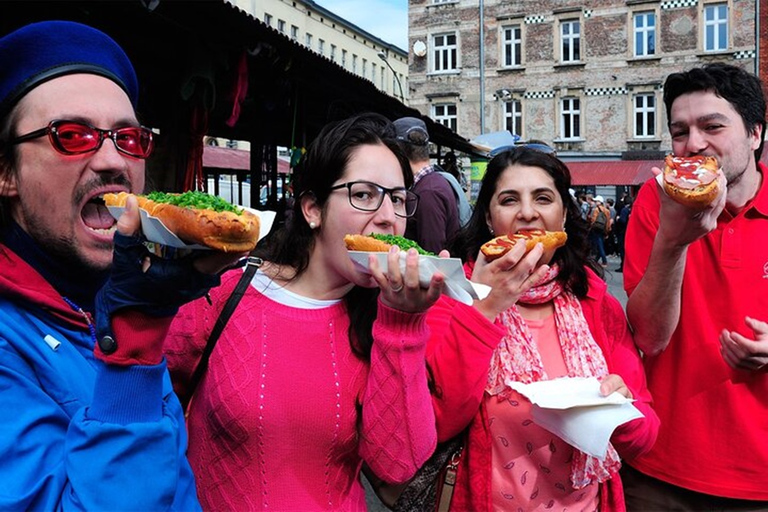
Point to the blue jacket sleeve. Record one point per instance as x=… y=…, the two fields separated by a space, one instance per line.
x=78 y=434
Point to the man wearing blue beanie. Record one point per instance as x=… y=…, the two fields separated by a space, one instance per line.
x=89 y=419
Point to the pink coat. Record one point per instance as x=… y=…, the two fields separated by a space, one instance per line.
x=459 y=354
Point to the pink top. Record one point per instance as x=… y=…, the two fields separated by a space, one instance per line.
x=463 y=338
x=531 y=467
x=286 y=413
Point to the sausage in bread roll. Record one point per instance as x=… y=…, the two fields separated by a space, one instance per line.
x=199 y=218
x=501 y=245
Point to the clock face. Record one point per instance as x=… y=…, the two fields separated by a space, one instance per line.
x=419 y=48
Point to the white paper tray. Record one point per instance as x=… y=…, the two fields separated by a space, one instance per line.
x=457 y=285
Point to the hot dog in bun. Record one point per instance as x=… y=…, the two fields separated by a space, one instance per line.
x=199 y=218
x=691 y=181
x=376 y=242
x=501 y=245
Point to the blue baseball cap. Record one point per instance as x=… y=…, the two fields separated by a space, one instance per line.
x=46 y=50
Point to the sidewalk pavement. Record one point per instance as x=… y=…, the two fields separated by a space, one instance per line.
x=615 y=280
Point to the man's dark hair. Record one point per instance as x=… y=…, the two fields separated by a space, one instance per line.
x=735 y=85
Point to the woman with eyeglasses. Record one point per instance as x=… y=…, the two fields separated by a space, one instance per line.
x=322 y=365
x=548 y=315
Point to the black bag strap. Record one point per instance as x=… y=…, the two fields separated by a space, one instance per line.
x=251 y=265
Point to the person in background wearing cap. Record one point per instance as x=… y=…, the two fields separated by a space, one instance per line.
x=89 y=417
x=437 y=218
x=599 y=226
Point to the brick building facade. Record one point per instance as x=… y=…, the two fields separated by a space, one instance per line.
x=585 y=76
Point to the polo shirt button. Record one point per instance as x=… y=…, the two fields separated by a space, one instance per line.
x=107 y=344
x=730 y=231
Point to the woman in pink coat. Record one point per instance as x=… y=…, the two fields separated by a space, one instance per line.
x=548 y=316
x=322 y=365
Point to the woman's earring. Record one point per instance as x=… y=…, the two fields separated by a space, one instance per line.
x=312 y=225
x=491 y=230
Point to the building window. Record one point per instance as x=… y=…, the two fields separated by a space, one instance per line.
x=268 y=19
x=570 y=117
x=308 y=39
x=442 y=1
x=333 y=52
x=365 y=70
x=445 y=114
x=354 y=63
x=281 y=26
x=294 y=32
x=383 y=78
x=645 y=115
x=444 y=52
x=513 y=46
x=645 y=34
x=570 y=41
x=715 y=27
x=513 y=117
x=321 y=47
x=344 y=58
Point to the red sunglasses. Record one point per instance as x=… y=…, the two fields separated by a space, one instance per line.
x=76 y=138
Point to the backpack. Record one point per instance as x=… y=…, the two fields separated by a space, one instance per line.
x=465 y=209
x=601 y=221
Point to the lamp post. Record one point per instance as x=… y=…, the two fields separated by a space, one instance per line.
x=383 y=56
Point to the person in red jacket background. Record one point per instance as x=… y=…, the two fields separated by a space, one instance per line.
x=548 y=315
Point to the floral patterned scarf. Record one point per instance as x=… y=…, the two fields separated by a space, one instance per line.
x=516 y=359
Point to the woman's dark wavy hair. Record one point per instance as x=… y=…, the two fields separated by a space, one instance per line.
x=735 y=85
x=324 y=164
x=573 y=257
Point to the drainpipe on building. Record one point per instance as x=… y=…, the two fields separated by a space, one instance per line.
x=482 y=69
x=757 y=38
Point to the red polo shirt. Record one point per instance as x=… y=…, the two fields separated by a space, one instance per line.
x=714 y=419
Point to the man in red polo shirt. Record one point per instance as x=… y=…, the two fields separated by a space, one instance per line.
x=698 y=303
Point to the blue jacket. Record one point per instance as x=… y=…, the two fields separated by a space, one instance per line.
x=76 y=433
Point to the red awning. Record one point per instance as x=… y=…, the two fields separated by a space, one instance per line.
x=615 y=172
x=216 y=157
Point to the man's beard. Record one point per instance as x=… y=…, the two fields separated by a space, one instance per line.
x=64 y=249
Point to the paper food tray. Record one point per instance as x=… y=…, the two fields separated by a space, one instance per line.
x=456 y=284
x=155 y=231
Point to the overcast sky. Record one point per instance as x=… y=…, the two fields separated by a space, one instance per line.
x=385 y=19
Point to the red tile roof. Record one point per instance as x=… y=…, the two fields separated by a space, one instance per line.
x=616 y=172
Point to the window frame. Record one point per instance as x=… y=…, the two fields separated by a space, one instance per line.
x=446 y=118
x=512 y=113
x=517 y=43
x=643 y=111
x=644 y=32
x=718 y=22
x=571 y=38
x=566 y=118
x=445 y=52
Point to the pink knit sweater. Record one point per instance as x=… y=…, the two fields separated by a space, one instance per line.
x=286 y=413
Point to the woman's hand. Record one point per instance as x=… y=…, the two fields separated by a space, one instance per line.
x=509 y=277
x=402 y=290
x=614 y=383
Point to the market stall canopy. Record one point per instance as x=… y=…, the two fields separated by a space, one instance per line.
x=252 y=82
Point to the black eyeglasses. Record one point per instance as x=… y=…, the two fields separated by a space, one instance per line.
x=76 y=138
x=368 y=197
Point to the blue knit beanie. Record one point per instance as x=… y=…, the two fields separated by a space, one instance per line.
x=42 y=51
